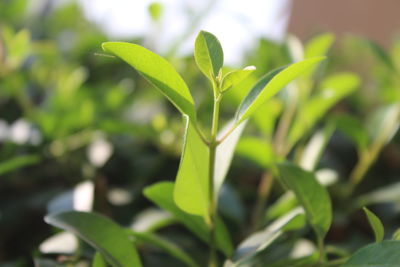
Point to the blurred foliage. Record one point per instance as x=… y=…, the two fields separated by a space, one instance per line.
x=69 y=114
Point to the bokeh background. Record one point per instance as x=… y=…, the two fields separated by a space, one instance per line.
x=81 y=130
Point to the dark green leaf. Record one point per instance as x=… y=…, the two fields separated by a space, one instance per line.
x=158 y=72
x=384 y=254
x=17 y=163
x=376 y=225
x=208 y=54
x=165 y=245
x=311 y=195
x=104 y=235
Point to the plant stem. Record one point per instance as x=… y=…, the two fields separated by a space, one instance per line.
x=212 y=210
x=264 y=189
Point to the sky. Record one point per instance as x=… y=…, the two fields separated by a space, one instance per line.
x=236 y=23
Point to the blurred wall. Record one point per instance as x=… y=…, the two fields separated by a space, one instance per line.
x=377 y=19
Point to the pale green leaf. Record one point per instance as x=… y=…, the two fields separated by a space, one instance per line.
x=383 y=254
x=319 y=45
x=383 y=123
x=158 y=72
x=192 y=182
x=376 y=225
x=156 y=10
x=208 y=54
x=162 y=195
x=164 y=244
x=271 y=84
x=104 y=235
x=311 y=195
x=235 y=77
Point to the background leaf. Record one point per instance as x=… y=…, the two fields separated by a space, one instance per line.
x=384 y=254
x=311 y=195
x=165 y=245
x=376 y=225
x=158 y=72
x=103 y=234
x=208 y=54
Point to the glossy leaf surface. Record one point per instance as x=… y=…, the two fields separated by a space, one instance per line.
x=270 y=84
x=104 y=235
x=208 y=54
x=192 y=183
x=158 y=71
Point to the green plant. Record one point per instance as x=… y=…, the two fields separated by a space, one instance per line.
x=206 y=156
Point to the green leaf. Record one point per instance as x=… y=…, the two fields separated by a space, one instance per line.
x=156 y=10
x=311 y=195
x=162 y=195
x=319 y=45
x=208 y=54
x=235 y=77
x=104 y=235
x=334 y=88
x=383 y=123
x=396 y=235
x=98 y=261
x=260 y=240
x=17 y=163
x=384 y=254
x=376 y=225
x=353 y=129
x=158 y=72
x=165 y=245
x=192 y=183
x=270 y=84
x=257 y=150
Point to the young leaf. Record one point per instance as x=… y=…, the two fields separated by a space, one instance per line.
x=262 y=239
x=191 y=187
x=235 y=77
x=18 y=162
x=311 y=195
x=208 y=54
x=158 y=72
x=383 y=254
x=104 y=235
x=376 y=225
x=270 y=84
x=162 y=195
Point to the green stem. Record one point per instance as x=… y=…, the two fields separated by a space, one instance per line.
x=212 y=210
